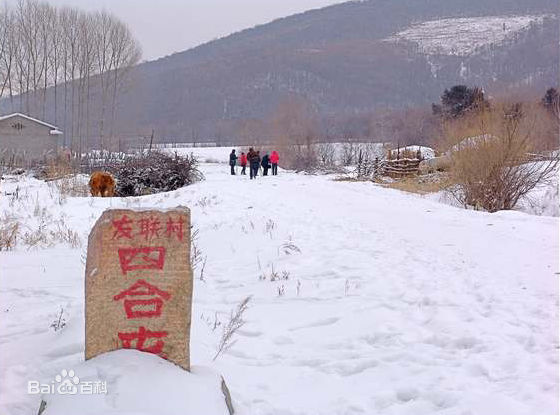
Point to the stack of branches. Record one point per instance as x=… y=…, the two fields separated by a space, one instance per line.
x=155 y=172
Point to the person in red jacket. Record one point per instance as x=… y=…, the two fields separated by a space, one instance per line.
x=243 y=162
x=274 y=161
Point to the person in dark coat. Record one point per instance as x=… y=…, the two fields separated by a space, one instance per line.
x=254 y=160
x=265 y=163
x=232 y=161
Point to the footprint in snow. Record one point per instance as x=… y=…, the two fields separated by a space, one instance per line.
x=318 y=323
x=282 y=340
x=407 y=394
x=248 y=333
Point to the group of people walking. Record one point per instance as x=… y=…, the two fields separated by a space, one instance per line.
x=255 y=162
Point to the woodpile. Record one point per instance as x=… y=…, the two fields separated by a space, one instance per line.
x=401 y=168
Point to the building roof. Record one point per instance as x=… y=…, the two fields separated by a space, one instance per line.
x=54 y=128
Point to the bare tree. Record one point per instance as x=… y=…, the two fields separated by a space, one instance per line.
x=7 y=42
x=295 y=127
x=126 y=52
x=69 y=20
x=55 y=57
x=42 y=45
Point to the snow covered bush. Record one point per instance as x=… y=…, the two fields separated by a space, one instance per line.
x=155 y=172
x=368 y=164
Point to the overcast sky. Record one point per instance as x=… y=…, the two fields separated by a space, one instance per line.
x=167 y=26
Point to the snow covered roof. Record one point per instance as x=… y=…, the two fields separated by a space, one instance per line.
x=54 y=129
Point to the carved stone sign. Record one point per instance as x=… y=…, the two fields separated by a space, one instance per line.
x=138 y=283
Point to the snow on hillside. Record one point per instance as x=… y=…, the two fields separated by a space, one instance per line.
x=462 y=36
x=393 y=304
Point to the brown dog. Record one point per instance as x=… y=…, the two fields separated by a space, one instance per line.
x=101 y=184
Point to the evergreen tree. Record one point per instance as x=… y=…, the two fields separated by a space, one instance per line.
x=458 y=100
x=551 y=99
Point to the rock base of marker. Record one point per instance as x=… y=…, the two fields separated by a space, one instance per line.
x=138 y=382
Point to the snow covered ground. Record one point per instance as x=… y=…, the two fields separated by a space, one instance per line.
x=394 y=303
x=462 y=36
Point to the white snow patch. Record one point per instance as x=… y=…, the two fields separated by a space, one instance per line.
x=141 y=383
x=462 y=36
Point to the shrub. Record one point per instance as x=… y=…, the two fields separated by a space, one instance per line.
x=300 y=157
x=497 y=166
x=155 y=172
x=327 y=153
x=8 y=236
x=349 y=153
x=368 y=163
x=56 y=168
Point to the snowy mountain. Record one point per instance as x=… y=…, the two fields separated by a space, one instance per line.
x=339 y=60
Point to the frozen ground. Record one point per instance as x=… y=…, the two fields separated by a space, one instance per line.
x=394 y=304
x=462 y=36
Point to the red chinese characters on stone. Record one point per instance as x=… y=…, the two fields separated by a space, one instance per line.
x=174 y=227
x=146 y=257
x=142 y=342
x=143 y=307
x=123 y=228
x=149 y=228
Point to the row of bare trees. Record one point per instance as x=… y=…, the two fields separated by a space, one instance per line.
x=65 y=65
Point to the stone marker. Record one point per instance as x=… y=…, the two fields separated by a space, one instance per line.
x=138 y=283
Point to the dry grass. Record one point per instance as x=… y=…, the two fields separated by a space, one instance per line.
x=38 y=230
x=236 y=321
x=420 y=184
x=348 y=179
x=8 y=236
x=51 y=234
x=58 y=168
x=495 y=167
x=72 y=185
